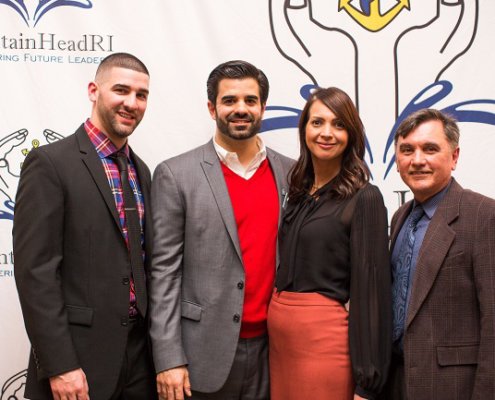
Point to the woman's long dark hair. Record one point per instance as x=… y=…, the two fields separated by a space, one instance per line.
x=354 y=172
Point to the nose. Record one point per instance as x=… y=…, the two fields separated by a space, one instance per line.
x=326 y=131
x=241 y=108
x=130 y=101
x=418 y=158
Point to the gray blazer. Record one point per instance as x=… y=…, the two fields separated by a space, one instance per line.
x=195 y=300
x=449 y=342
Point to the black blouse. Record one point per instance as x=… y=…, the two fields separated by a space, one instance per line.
x=339 y=248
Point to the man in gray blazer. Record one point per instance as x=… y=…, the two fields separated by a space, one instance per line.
x=215 y=217
x=443 y=261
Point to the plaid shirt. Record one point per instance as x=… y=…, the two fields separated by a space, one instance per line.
x=106 y=150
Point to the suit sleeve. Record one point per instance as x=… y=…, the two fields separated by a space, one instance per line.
x=370 y=312
x=484 y=276
x=38 y=253
x=168 y=217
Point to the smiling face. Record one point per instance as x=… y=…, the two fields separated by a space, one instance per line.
x=425 y=159
x=119 y=98
x=326 y=136
x=238 y=109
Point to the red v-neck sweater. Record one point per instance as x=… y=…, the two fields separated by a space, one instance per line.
x=256 y=206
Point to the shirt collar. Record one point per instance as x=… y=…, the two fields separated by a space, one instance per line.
x=103 y=145
x=231 y=160
x=431 y=205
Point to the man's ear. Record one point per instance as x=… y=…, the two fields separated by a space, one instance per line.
x=212 y=110
x=455 y=158
x=92 y=91
x=263 y=109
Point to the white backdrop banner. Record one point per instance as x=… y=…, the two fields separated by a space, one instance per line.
x=392 y=57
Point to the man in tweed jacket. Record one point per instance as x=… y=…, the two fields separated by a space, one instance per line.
x=444 y=332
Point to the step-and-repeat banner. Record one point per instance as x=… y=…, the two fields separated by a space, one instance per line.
x=392 y=57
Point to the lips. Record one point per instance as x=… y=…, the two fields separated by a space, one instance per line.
x=419 y=174
x=126 y=115
x=326 y=145
x=236 y=119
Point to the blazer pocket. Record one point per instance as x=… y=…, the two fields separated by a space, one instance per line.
x=79 y=315
x=457 y=355
x=457 y=260
x=191 y=310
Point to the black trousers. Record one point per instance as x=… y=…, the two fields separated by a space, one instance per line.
x=249 y=378
x=137 y=379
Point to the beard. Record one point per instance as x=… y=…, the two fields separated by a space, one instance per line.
x=116 y=128
x=250 y=129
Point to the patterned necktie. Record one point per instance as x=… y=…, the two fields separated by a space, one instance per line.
x=133 y=234
x=401 y=273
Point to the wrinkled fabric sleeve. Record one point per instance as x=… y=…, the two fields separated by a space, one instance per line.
x=370 y=314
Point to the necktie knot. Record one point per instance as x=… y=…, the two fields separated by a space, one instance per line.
x=121 y=159
x=416 y=214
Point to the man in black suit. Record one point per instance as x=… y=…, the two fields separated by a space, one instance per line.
x=82 y=292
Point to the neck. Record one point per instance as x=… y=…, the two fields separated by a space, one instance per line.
x=118 y=141
x=245 y=149
x=324 y=173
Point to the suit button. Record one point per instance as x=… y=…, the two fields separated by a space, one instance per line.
x=125 y=281
x=123 y=321
x=237 y=318
x=240 y=285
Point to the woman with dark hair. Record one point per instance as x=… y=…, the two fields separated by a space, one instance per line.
x=333 y=247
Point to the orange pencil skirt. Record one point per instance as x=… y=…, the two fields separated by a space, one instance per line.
x=309 y=348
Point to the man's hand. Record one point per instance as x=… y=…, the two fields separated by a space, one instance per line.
x=71 y=385
x=357 y=397
x=173 y=383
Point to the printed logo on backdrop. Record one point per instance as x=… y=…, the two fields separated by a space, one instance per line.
x=13 y=388
x=33 y=46
x=31 y=17
x=14 y=147
x=327 y=41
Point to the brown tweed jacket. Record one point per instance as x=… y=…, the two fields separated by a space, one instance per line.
x=449 y=342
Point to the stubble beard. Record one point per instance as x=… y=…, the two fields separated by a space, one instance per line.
x=252 y=129
x=118 y=129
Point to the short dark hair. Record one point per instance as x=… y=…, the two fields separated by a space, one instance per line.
x=354 y=172
x=450 y=127
x=236 y=69
x=122 y=60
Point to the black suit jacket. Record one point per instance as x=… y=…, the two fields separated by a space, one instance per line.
x=71 y=265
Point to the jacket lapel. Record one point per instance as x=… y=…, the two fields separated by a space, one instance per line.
x=93 y=163
x=214 y=175
x=436 y=244
x=282 y=189
x=280 y=178
x=397 y=221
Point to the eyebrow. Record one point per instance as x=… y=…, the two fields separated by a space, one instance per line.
x=427 y=144
x=123 y=86
x=230 y=97
x=431 y=144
